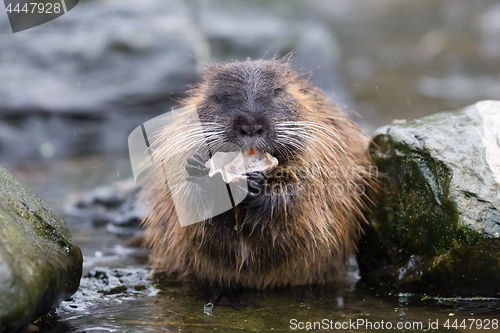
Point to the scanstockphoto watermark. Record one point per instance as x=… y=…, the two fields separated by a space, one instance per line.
x=24 y=14
x=365 y=324
x=332 y=172
x=356 y=324
x=330 y=181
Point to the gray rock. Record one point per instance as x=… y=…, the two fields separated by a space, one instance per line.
x=40 y=265
x=436 y=228
x=115 y=205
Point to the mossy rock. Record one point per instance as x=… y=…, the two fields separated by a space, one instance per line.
x=40 y=265
x=436 y=227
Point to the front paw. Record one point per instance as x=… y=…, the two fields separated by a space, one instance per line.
x=196 y=168
x=256 y=182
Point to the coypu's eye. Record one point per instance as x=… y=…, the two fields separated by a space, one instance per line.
x=220 y=99
x=278 y=91
x=216 y=99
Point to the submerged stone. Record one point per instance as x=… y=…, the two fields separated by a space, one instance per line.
x=436 y=228
x=116 y=206
x=40 y=265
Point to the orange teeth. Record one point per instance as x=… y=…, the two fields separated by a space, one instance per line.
x=251 y=152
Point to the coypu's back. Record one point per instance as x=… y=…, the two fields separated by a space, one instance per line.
x=305 y=225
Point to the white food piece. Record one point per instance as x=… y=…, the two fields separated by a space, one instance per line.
x=233 y=166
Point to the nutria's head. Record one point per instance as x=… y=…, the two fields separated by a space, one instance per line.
x=251 y=101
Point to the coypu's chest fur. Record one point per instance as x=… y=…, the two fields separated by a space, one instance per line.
x=304 y=224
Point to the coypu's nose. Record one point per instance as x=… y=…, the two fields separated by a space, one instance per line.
x=251 y=130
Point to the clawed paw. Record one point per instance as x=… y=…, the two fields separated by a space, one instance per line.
x=256 y=182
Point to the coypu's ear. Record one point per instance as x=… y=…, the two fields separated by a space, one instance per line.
x=278 y=91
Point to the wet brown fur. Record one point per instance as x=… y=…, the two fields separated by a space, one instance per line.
x=299 y=239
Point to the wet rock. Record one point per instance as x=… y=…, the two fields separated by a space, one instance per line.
x=436 y=228
x=40 y=265
x=83 y=82
x=115 y=206
x=105 y=284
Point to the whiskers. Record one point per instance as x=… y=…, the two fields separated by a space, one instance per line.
x=291 y=138
x=174 y=140
x=304 y=136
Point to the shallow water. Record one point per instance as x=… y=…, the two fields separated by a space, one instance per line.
x=177 y=309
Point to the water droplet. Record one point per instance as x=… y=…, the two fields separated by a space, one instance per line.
x=47 y=150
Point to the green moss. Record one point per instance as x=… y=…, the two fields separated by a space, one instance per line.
x=419 y=218
x=40 y=226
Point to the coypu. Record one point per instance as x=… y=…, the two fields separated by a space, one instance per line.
x=290 y=229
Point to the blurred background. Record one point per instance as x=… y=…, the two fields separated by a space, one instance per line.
x=73 y=89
